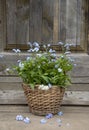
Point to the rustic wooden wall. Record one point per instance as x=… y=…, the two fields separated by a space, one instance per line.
x=44 y=27
x=2 y=25
x=45 y=21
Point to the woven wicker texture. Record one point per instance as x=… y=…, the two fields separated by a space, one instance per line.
x=42 y=102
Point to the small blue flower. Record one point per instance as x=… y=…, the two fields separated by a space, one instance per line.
x=16 y=50
x=21 y=65
x=43 y=121
x=7 y=69
x=50 y=85
x=62 y=56
x=56 y=66
x=30 y=44
x=49 y=115
x=60 y=113
x=30 y=50
x=18 y=61
x=1 y=56
x=67 y=48
x=59 y=70
x=53 y=54
x=75 y=65
x=52 y=51
x=28 y=58
x=67 y=45
x=59 y=120
x=19 y=118
x=71 y=59
x=67 y=52
x=60 y=43
x=27 y=120
x=53 y=60
x=48 y=45
x=44 y=46
x=36 y=44
x=36 y=49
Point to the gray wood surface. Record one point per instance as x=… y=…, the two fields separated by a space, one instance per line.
x=74 y=118
x=11 y=21
x=18 y=97
x=35 y=20
x=45 y=21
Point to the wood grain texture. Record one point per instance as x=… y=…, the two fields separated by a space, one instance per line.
x=56 y=21
x=11 y=21
x=74 y=118
x=2 y=25
x=45 y=21
x=81 y=70
x=35 y=20
x=18 y=97
x=25 y=109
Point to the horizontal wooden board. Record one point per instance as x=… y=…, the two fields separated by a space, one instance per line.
x=10 y=79
x=12 y=97
x=79 y=87
x=25 y=109
x=81 y=80
x=18 y=86
x=18 y=97
x=81 y=70
x=76 y=98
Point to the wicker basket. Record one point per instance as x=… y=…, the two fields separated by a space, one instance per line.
x=42 y=102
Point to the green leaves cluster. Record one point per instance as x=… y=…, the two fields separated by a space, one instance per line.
x=45 y=69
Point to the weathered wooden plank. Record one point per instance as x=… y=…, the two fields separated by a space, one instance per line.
x=71 y=119
x=79 y=87
x=22 y=21
x=81 y=70
x=10 y=79
x=11 y=21
x=62 y=21
x=75 y=109
x=10 y=86
x=14 y=108
x=55 y=21
x=18 y=97
x=25 y=109
x=2 y=24
x=16 y=79
x=12 y=97
x=47 y=21
x=35 y=20
x=76 y=98
x=18 y=86
x=81 y=80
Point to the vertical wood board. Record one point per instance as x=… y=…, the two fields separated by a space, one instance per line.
x=11 y=21
x=35 y=20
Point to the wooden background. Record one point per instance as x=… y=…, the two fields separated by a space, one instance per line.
x=45 y=21
x=39 y=20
